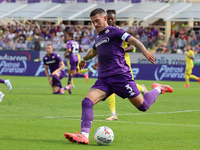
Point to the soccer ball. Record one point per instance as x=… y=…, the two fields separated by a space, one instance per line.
x=104 y=136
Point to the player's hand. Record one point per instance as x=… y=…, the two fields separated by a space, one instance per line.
x=95 y=66
x=82 y=64
x=50 y=82
x=150 y=57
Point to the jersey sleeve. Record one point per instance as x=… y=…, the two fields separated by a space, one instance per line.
x=122 y=34
x=44 y=61
x=58 y=58
x=69 y=45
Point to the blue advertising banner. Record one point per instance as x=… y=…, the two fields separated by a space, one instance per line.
x=10 y=55
x=140 y=71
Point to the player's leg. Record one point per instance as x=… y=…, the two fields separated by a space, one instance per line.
x=188 y=71
x=7 y=83
x=95 y=95
x=144 y=103
x=1 y=96
x=191 y=76
x=111 y=104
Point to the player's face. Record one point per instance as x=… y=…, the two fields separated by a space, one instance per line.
x=49 y=49
x=99 y=21
x=111 y=20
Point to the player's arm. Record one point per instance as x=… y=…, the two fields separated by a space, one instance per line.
x=91 y=53
x=129 y=48
x=191 y=57
x=150 y=56
x=47 y=74
x=67 y=51
x=62 y=66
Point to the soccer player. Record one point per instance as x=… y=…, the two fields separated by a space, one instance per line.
x=56 y=65
x=114 y=74
x=8 y=84
x=82 y=71
x=73 y=48
x=189 y=56
x=111 y=15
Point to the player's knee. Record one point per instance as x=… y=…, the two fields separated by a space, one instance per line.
x=87 y=103
x=144 y=107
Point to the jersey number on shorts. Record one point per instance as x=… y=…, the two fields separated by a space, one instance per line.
x=130 y=89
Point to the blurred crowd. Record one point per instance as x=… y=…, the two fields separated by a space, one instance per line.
x=34 y=36
x=179 y=39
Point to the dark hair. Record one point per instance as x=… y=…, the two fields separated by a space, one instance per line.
x=111 y=11
x=97 y=11
x=71 y=34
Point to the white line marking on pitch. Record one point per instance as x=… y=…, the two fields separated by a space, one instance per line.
x=74 y=118
x=173 y=112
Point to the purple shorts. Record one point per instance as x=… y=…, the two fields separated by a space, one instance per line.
x=122 y=85
x=56 y=83
x=73 y=65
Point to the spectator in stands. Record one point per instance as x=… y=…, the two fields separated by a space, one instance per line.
x=198 y=37
x=91 y=34
x=53 y=29
x=167 y=48
x=197 y=48
x=189 y=31
x=129 y=31
x=85 y=42
x=174 y=47
x=182 y=43
x=29 y=41
x=172 y=39
x=36 y=40
x=190 y=38
x=55 y=41
x=48 y=36
x=150 y=38
x=20 y=42
x=160 y=48
x=77 y=34
x=144 y=39
x=155 y=34
x=196 y=28
x=194 y=41
x=60 y=32
x=1 y=43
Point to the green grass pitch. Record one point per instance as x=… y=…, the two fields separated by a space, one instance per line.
x=31 y=118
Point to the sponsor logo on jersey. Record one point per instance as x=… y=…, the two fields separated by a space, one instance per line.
x=102 y=41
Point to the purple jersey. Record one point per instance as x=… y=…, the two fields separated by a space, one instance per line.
x=75 y=47
x=111 y=59
x=52 y=61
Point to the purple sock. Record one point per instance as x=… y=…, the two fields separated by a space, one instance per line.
x=149 y=99
x=69 y=79
x=79 y=75
x=87 y=115
x=57 y=79
x=2 y=80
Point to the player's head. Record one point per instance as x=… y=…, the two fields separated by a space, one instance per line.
x=49 y=49
x=99 y=19
x=111 y=15
x=188 y=47
x=70 y=36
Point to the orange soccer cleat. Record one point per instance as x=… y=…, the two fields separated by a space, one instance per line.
x=86 y=77
x=77 y=138
x=187 y=85
x=164 y=88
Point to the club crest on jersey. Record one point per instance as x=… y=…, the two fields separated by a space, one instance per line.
x=107 y=31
